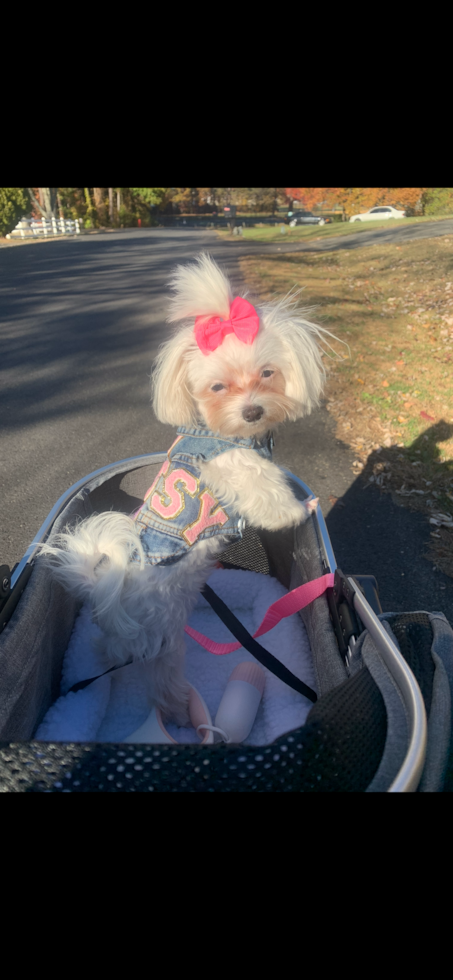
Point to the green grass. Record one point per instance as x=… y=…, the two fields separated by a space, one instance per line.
x=314 y=232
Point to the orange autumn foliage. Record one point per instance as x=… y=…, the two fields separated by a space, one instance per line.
x=355 y=200
x=312 y=197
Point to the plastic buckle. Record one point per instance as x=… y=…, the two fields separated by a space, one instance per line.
x=346 y=623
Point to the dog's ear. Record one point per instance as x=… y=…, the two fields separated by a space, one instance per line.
x=172 y=401
x=301 y=363
x=305 y=375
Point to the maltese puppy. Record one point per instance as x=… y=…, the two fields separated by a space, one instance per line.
x=226 y=379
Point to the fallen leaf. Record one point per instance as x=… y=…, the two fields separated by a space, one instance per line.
x=360 y=381
x=407 y=404
x=400 y=363
x=385 y=384
x=424 y=415
x=401 y=419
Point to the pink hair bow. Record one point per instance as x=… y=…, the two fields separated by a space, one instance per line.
x=244 y=322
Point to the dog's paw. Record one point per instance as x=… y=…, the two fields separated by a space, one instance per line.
x=178 y=714
x=176 y=708
x=311 y=505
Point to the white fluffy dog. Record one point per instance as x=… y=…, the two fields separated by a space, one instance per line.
x=226 y=381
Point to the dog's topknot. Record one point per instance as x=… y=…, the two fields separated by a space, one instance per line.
x=200 y=289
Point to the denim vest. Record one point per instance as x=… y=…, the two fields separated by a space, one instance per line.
x=179 y=509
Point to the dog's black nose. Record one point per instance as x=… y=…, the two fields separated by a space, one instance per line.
x=252 y=413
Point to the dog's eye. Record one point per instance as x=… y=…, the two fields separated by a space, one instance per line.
x=266 y=373
x=217 y=387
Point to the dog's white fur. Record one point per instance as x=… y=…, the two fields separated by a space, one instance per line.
x=142 y=609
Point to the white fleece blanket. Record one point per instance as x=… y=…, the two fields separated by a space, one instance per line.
x=113 y=707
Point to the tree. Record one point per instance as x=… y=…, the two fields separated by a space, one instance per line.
x=150 y=195
x=101 y=205
x=358 y=199
x=312 y=197
x=182 y=198
x=207 y=199
x=14 y=204
x=90 y=219
x=437 y=200
x=47 y=200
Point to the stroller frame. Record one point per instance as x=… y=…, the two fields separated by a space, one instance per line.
x=346 y=588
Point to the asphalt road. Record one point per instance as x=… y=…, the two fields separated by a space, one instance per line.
x=80 y=323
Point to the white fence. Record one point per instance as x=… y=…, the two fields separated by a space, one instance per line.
x=45 y=227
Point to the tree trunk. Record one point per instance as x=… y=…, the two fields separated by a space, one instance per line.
x=47 y=200
x=99 y=194
x=111 y=205
x=48 y=197
x=90 y=208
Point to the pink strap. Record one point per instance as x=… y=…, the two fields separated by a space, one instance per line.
x=281 y=609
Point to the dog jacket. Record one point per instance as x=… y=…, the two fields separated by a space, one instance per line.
x=179 y=509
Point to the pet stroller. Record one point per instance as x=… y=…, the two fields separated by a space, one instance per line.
x=381 y=722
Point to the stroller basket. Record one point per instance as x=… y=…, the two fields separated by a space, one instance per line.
x=381 y=723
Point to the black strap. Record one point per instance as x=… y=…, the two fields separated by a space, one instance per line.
x=245 y=639
x=90 y=680
x=249 y=643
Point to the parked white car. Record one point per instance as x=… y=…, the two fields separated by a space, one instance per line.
x=379 y=214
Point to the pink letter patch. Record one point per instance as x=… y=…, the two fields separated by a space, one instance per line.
x=176 y=505
x=205 y=519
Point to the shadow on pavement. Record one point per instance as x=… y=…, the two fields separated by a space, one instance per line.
x=372 y=533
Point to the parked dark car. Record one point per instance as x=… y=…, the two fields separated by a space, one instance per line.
x=305 y=218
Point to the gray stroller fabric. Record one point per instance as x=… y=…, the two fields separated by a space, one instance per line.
x=440 y=722
x=32 y=648
x=33 y=643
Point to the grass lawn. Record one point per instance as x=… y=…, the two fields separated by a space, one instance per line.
x=314 y=232
x=392 y=394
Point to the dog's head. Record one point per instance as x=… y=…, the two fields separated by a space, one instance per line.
x=238 y=370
